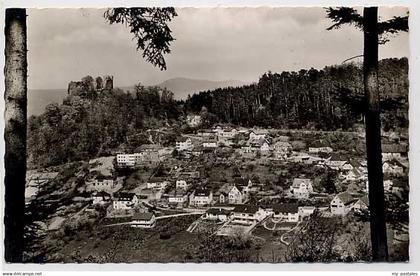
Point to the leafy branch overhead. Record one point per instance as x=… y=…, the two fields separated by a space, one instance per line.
x=347 y=15
x=150 y=29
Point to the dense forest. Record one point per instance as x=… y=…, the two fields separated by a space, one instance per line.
x=95 y=122
x=328 y=99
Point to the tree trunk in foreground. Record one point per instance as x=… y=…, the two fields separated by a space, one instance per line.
x=373 y=136
x=15 y=72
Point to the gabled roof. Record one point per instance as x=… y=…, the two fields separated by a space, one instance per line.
x=225 y=189
x=101 y=177
x=394 y=148
x=202 y=192
x=218 y=211
x=338 y=157
x=102 y=194
x=198 y=149
x=395 y=163
x=229 y=129
x=282 y=144
x=146 y=192
x=346 y=198
x=246 y=209
x=258 y=142
x=298 y=181
x=124 y=196
x=155 y=179
x=241 y=181
x=143 y=216
x=355 y=163
x=182 y=139
x=206 y=130
x=365 y=200
x=150 y=147
x=43 y=175
x=210 y=139
x=177 y=193
x=398 y=183
x=319 y=144
x=286 y=208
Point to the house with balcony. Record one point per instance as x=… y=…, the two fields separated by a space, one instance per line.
x=248 y=214
x=288 y=212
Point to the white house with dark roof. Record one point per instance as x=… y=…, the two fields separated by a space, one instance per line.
x=222 y=195
x=362 y=204
x=393 y=151
x=193 y=120
x=227 y=133
x=100 y=198
x=318 y=147
x=337 y=162
x=235 y=196
x=217 y=214
x=201 y=197
x=305 y=211
x=182 y=183
x=388 y=183
x=183 y=143
x=248 y=214
x=265 y=148
x=126 y=160
x=399 y=186
x=209 y=142
x=100 y=183
x=178 y=197
x=36 y=179
x=342 y=204
x=288 y=212
x=281 y=149
x=143 y=220
x=125 y=201
x=157 y=183
x=147 y=153
x=393 y=167
x=257 y=134
x=350 y=175
x=301 y=188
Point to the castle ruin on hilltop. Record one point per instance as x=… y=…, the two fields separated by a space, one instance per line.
x=88 y=85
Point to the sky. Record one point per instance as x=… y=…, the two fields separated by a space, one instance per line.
x=211 y=43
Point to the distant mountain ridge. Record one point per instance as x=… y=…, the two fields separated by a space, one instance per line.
x=38 y=99
x=182 y=87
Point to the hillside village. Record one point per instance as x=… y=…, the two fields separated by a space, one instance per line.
x=229 y=181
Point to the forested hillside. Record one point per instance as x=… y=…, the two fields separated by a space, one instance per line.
x=93 y=123
x=331 y=98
